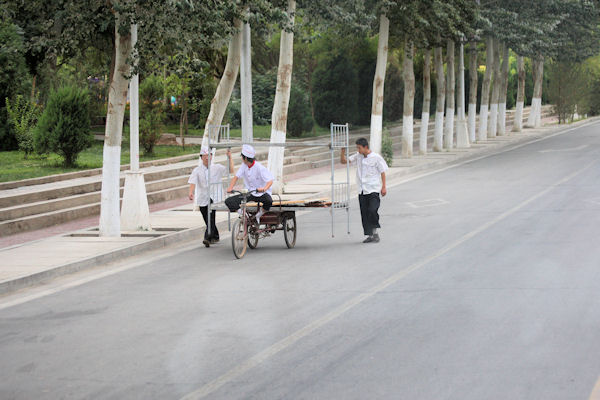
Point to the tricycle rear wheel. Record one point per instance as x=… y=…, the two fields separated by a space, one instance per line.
x=289 y=230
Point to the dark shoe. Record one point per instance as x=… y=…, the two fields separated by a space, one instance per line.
x=206 y=242
x=369 y=239
x=376 y=238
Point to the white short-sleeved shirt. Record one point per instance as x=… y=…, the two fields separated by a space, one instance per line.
x=255 y=177
x=199 y=177
x=368 y=171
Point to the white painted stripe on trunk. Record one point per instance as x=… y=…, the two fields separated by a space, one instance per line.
x=376 y=133
x=535 y=113
x=483 y=122
x=449 y=129
x=518 y=120
x=407 y=136
x=275 y=160
x=438 y=134
x=493 y=120
x=472 y=122
x=110 y=218
x=423 y=133
x=501 y=119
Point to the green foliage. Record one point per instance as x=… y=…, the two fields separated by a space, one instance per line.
x=387 y=150
x=393 y=95
x=64 y=126
x=573 y=88
x=299 y=119
x=263 y=95
x=13 y=75
x=152 y=115
x=23 y=116
x=335 y=88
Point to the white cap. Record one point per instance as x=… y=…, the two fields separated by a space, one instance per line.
x=203 y=151
x=248 y=151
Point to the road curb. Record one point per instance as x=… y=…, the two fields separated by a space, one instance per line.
x=13 y=285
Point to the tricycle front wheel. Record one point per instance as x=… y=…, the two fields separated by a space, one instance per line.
x=239 y=238
x=289 y=230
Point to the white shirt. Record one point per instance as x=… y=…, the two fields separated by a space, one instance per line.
x=199 y=177
x=255 y=177
x=368 y=171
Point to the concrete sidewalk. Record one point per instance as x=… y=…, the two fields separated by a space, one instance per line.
x=39 y=261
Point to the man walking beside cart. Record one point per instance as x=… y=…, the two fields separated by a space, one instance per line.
x=257 y=179
x=370 y=179
x=199 y=180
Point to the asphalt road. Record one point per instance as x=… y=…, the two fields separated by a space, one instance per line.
x=486 y=285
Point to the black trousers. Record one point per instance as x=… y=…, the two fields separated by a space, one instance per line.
x=233 y=202
x=369 y=207
x=214 y=232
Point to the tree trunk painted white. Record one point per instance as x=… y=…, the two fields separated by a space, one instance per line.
x=462 y=133
x=518 y=120
x=485 y=90
x=493 y=121
x=503 y=90
x=408 y=75
x=440 y=79
x=219 y=102
x=473 y=92
x=282 y=100
x=535 y=114
x=426 y=102
x=110 y=224
x=246 y=85
x=378 y=82
x=450 y=91
x=135 y=214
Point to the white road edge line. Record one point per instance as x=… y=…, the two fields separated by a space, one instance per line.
x=286 y=342
x=8 y=300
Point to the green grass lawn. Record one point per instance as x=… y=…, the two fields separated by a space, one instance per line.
x=13 y=166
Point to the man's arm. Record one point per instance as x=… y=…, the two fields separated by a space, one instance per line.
x=266 y=187
x=191 y=195
x=383 y=188
x=231 y=169
x=343 y=155
x=232 y=184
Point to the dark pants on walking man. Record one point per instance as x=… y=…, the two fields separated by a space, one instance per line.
x=233 y=202
x=214 y=232
x=369 y=207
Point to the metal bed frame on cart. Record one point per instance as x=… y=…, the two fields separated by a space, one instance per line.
x=340 y=191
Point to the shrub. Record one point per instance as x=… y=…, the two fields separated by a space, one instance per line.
x=22 y=117
x=152 y=112
x=299 y=119
x=387 y=149
x=335 y=88
x=64 y=127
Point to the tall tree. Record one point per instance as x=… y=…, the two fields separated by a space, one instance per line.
x=378 y=83
x=473 y=76
x=485 y=90
x=426 y=102
x=282 y=98
x=450 y=92
x=501 y=130
x=497 y=81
